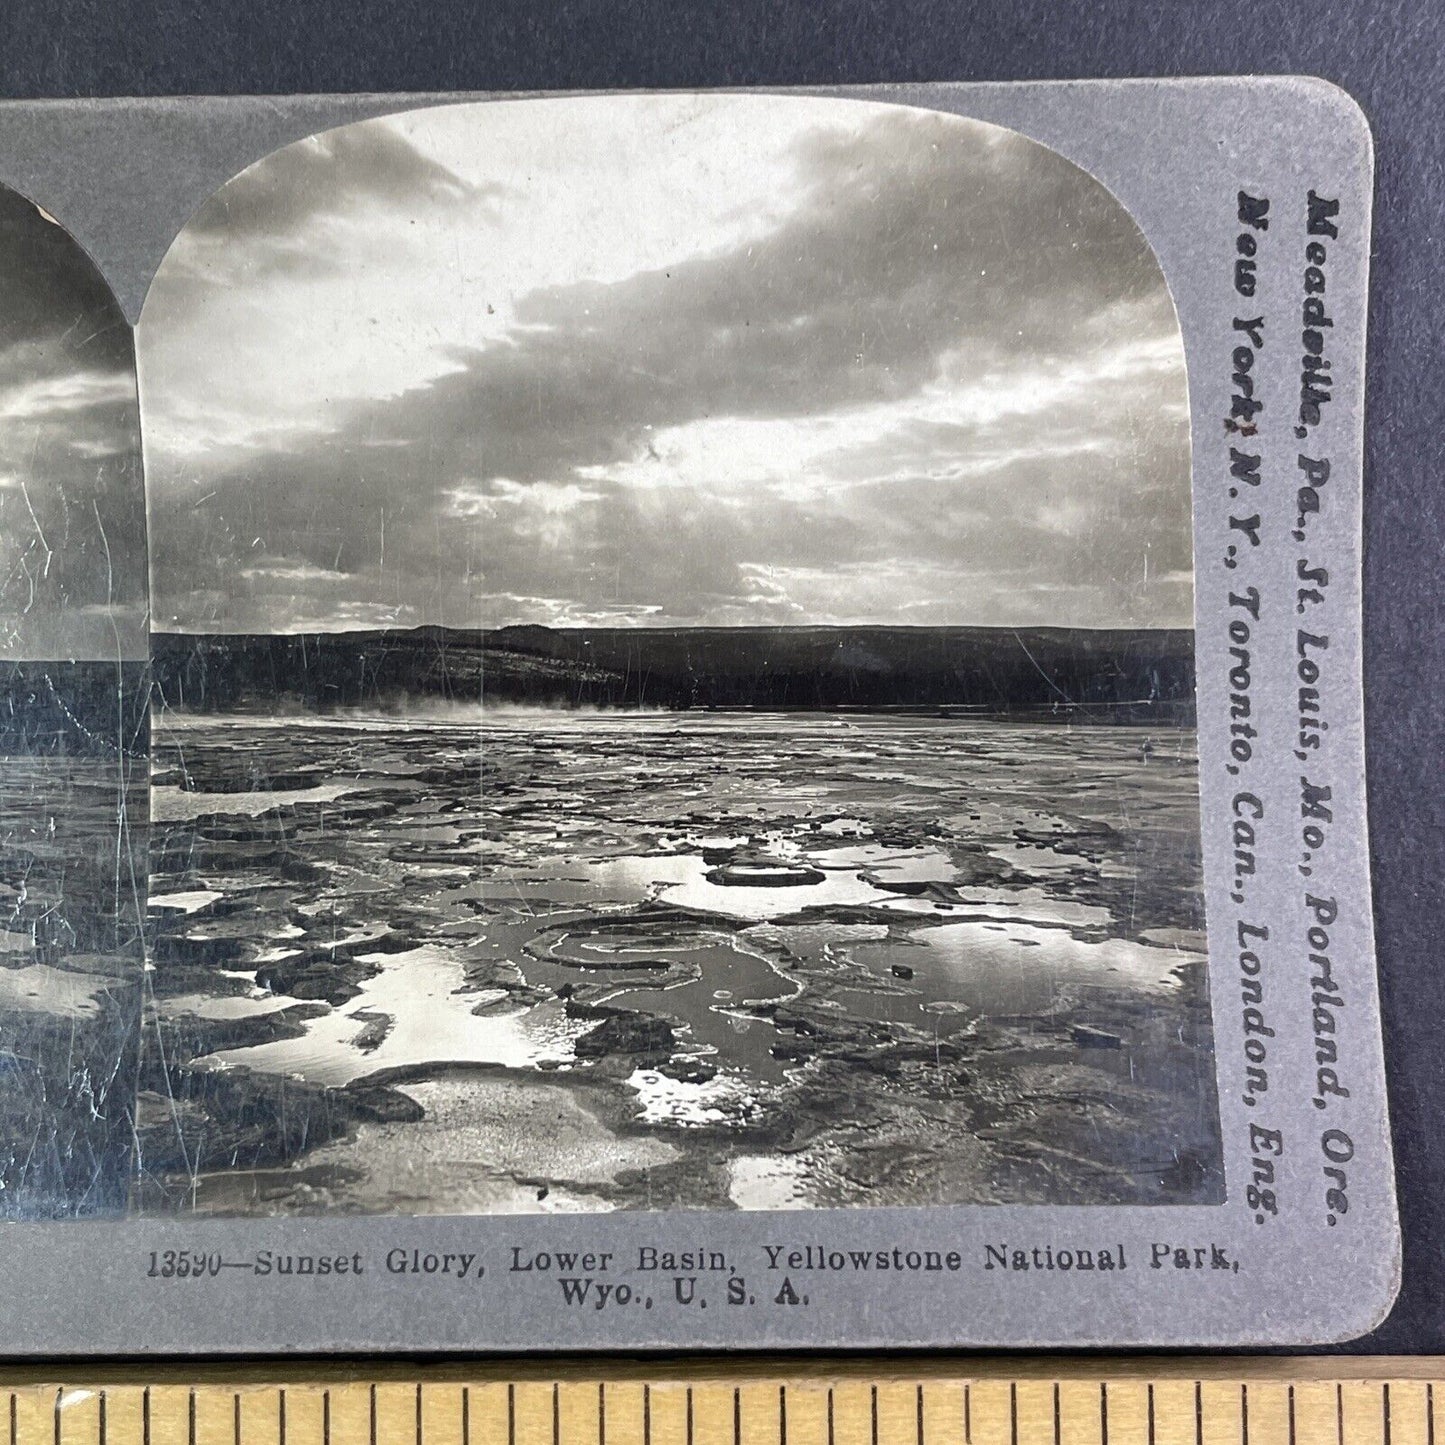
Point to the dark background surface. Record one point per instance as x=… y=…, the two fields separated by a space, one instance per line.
x=1389 y=54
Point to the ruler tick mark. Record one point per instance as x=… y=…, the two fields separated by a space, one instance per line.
x=154 y=1428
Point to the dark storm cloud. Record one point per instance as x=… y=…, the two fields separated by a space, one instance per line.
x=919 y=252
x=906 y=246
x=271 y=218
x=72 y=509
x=341 y=170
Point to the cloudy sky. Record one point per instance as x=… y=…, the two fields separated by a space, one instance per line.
x=658 y=361
x=72 y=510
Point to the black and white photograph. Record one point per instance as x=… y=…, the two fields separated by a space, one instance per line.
x=73 y=717
x=673 y=674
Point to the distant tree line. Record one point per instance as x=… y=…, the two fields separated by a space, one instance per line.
x=995 y=670
x=98 y=709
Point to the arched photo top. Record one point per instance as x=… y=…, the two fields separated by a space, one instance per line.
x=631 y=577
x=72 y=509
x=665 y=361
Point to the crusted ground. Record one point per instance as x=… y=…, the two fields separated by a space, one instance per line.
x=765 y=961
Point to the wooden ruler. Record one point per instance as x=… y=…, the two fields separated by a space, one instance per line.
x=1041 y=1402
